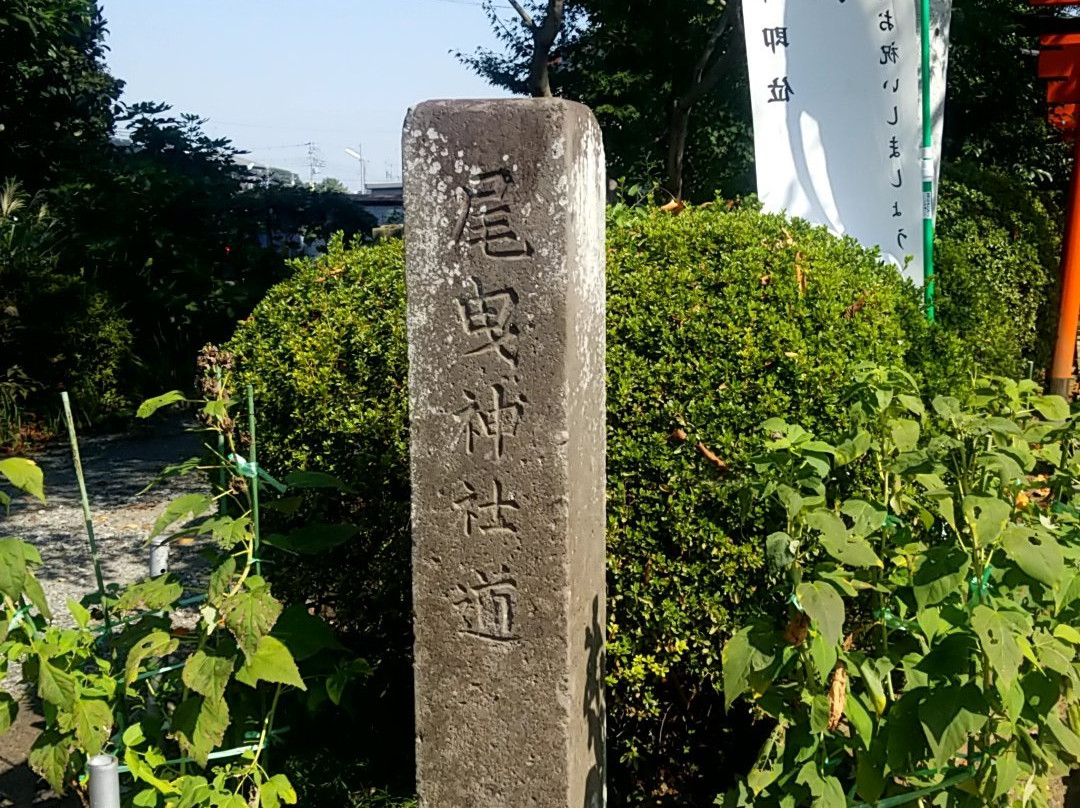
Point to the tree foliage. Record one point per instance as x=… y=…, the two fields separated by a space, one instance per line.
x=668 y=87
x=57 y=99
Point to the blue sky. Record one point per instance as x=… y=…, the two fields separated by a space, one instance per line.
x=273 y=75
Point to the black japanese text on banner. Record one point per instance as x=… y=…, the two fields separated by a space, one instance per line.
x=837 y=120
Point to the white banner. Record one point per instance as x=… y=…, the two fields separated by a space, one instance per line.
x=837 y=118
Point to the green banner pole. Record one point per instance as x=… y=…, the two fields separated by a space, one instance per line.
x=927 y=165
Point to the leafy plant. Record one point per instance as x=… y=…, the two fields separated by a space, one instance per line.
x=184 y=687
x=925 y=593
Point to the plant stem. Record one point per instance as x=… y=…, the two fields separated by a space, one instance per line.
x=87 y=519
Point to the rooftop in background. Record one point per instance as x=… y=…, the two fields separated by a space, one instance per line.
x=384 y=201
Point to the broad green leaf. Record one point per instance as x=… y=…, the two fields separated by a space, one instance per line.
x=870 y=771
x=199 y=724
x=1006 y=773
x=12 y=568
x=868 y=517
x=25 y=475
x=36 y=595
x=735 y=663
x=791 y=500
x=49 y=757
x=55 y=686
x=151 y=595
x=940 y=572
x=1037 y=553
x=313 y=539
x=823 y=655
x=905 y=434
x=272 y=663
x=140 y=770
x=780 y=551
x=853 y=448
x=1041 y=694
x=93 y=724
x=949 y=715
x=859 y=718
x=1066 y=739
x=819 y=714
x=133 y=736
x=947 y=407
x=1052 y=408
x=221 y=581
x=152 y=405
x=9 y=708
x=188 y=505
x=250 y=615
x=147 y=798
x=79 y=613
x=304 y=634
x=985 y=517
x=1066 y=632
x=906 y=744
x=207 y=675
x=825 y=607
x=153 y=645
x=315 y=479
x=275 y=791
x=912 y=404
x=1054 y=654
x=874 y=686
x=847 y=548
x=832 y=795
x=997 y=641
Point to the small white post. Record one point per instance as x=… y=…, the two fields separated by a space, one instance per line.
x=104 y=782
x=159 y=556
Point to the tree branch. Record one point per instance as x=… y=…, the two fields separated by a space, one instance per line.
x=525 y=16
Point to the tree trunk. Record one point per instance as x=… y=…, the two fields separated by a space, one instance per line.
x=678 y=128
x=709 y=70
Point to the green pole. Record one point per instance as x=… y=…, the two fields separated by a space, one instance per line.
x=254 y=481
x=927 y=165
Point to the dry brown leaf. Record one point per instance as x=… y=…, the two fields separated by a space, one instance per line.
x=675 y=206
x=795 y=633
x=678 y=436
x=712 y=457
x=855 y=307
x=837 y=695
x=800 y=276
x=765 y=280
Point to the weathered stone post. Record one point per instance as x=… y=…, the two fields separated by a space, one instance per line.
x=504 y=208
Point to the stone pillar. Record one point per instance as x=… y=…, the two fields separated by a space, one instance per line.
x=504 y=208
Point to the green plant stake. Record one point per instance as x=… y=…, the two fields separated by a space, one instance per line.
x=87 y=520
x=927 y=164
x=223 y=475
x=254 y=481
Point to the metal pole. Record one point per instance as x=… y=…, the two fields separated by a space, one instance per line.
x=1061 y=371
x=927 y=165
x=104 y=781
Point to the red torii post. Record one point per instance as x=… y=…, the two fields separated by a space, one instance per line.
x=1059 y=63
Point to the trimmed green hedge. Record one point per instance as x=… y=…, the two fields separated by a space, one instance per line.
x=998 y=250
x=717 y=320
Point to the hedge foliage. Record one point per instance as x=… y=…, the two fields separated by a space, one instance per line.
x=997 y=255
x=718 y=319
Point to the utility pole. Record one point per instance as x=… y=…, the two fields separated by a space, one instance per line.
x=315 y=161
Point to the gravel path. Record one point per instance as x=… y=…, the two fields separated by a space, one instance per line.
x=117 y=468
